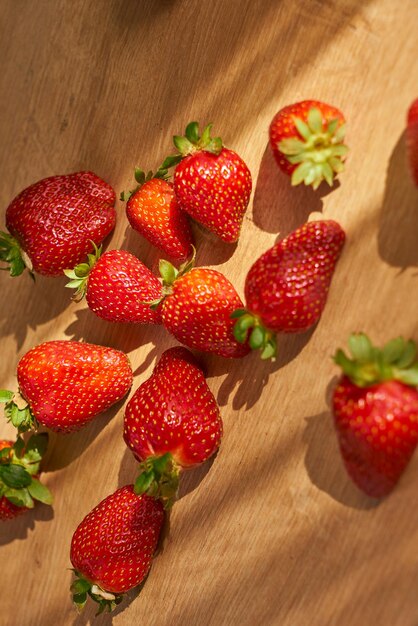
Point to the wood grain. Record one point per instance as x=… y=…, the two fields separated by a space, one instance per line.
x=272 y=532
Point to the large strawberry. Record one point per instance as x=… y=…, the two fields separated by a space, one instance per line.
x=19 y=472
x=117 y=286
x=196 y=307
x=113 y=547
x=53 y=223
x=171 y=422
x=212 y=183
x=64 y=384
x=153 y=211
x=307 y=139
x=412 y=139
x=287 y=287
x=375 y=405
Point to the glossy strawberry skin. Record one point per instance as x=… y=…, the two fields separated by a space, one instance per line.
x=174 y=411
x=412 y=140
x=114 y=544
x=8 y=510
x=215 y=190
x=120 y=286
x=154 y=212
x=55 y=219
x=67 y=383
x=283 y=127
x=377 y=428
x=287 y=286
x=198 y=313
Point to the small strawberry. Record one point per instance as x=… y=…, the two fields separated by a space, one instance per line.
x=153 y=211
x=113 y=547
x=375 y=405
x=53 y=223
x=287 y=287
x=117 y=287
x=212 y=184
x=196 y=307
x=19 y=472
x=307 y=139
x=64 y=384
x=412 y=140
x=171 y=422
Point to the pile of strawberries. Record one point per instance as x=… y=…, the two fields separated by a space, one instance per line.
x=172 y=421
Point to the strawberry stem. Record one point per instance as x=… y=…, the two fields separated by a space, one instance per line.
x=159 y=478
x=81 y=589
x=142 y=178
x=249 y=327
x=80 y=274
x=192 y=142
x=21 y=417
x=11 y=253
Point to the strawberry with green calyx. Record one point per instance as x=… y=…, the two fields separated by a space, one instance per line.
x=63 y=385
x=286 y=289
x=375 y=407
x=212 y=183
x=412 y=140
x=113 y=547
x=152 y=210
x=172 y=422
x=19 y=473
x=117 y=286
x=53 y=222
x=307 y=139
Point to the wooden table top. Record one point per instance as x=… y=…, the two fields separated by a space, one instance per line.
x=272 y=532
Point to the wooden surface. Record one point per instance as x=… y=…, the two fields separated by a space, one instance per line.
x=272 y=532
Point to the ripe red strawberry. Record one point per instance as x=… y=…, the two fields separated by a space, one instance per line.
x=287 y=287
x=19 y=472
x=375 y=407
x=171 y=422
x=117 y=287
x=307 y=139
x=212 y=183
x=153 y=211
x=412 y=139
x=53 y=223
x=196 y=308
x=113 y=547
x=67 y=383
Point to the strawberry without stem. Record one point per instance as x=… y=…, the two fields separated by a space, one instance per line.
x=375 y=405
x=19 y=471
x=307 y=139
x=52 y=223
x=117 y=286
x=171 y=422
x=287 y=287
x=113 y=547
x=67 y=383
x=153 y=211
x=412 y=140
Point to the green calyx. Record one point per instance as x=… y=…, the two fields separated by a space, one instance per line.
x=248 y=327
x=141 y=177
x=17 y=411
x=192 y=142
x=370 y=365
x=19 y=466
x=319 y=155
x=12 y=254
x=169 y=275
x=80 y=274
x=159 y=478
x=81 y=589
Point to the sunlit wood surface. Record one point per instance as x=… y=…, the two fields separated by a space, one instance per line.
x=272 y=532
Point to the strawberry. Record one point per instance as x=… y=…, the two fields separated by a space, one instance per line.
x=53 y=223
x=117 y=287
x=307 y=139
x=375 y=406
x=212 y=184
x=112 y=548
x=286 y=289
x=64 y=384
x=19 y=472
x=171 y=422
x=412 y=140
x=196 y=305
x=153 y=211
